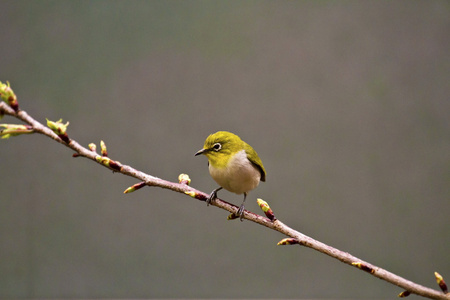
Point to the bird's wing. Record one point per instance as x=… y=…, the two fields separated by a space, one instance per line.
x=255 y=160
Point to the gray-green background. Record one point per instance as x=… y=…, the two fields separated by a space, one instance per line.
x=346 y=102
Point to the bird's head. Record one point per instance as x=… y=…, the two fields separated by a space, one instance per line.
x=219 y=147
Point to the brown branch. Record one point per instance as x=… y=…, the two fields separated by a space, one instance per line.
x=270 y=221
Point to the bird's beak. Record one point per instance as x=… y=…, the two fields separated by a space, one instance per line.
x=200 y=152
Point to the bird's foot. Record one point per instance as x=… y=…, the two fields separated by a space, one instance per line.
x=212 y=196
x=240 y=212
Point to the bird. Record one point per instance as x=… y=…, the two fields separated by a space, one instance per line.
x=233 y=164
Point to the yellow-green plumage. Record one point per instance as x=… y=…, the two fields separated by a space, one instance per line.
x=230 y=145
x=233 y=164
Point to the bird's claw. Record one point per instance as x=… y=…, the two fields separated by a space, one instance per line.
x=212 y=196
x=240 y=212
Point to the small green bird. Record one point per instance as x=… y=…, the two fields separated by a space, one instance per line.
x=233 y=164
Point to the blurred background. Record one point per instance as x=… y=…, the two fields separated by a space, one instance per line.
x=346 y=102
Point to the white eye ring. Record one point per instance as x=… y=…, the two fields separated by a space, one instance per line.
x=217 y=146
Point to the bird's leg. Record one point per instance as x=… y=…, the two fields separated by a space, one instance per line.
x=212 y=196
x=240 y=212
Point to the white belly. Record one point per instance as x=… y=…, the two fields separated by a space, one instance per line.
x=240 y=176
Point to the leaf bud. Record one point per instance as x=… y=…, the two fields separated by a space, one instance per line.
x=8 y=95
x=191 y=193
x=103 y=149
x=134 y=187
x=288 y=241
x=364 y=267
x=440 y=281
x=14 y=130
x=59 y=129
x=106 y=161
x=266 y=209
x=404 y=294
x=92 y=147
x=184 y=179
x=232 y=216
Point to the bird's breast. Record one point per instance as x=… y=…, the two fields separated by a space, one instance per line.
x=239 y=176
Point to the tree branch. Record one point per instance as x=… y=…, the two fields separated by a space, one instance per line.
x=57 y=132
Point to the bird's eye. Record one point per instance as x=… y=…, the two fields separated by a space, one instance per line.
x=217 y=146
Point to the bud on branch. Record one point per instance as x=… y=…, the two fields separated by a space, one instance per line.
x=59 y=129
x=14 y=130
x=8 y=95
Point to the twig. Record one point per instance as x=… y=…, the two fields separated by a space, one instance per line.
x=58 y=132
